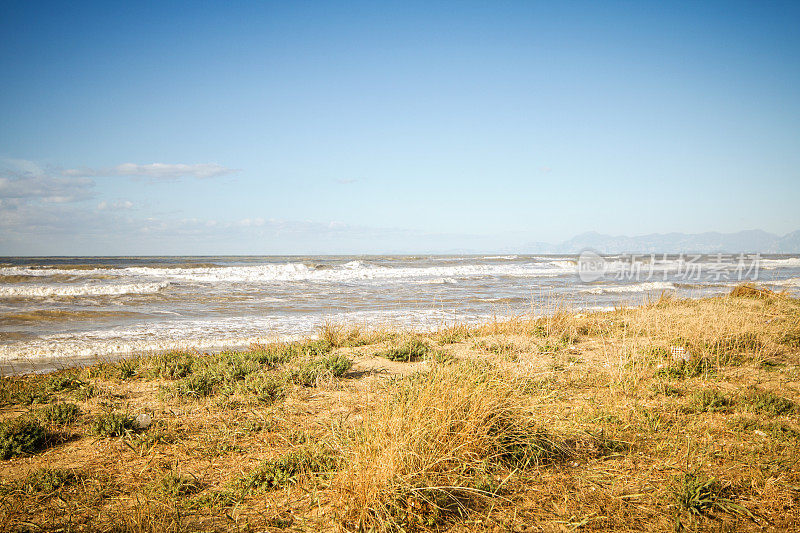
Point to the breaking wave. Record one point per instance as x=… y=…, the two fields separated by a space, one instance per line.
x=637 y=287
x=44 y=291
x=789 y=262
x=352 y=271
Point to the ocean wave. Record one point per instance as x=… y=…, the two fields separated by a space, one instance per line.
x=51 y=277
x=771 y=264
x=438 y=281
x=44 y=291
x=791 y=282
x=564 y=263
x=501 y=257
x=356 y=270
x=58 y=315
x=634 y=287
x=16 y=278
x=69 y=268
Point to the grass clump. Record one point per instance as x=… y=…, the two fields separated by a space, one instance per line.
x=158 y=433
x=40 y=389
x=667 y=389
x=85 y=392
x=171 y=365
x=326 y=367
x=59 y=414
x=700 y=495
x=61 y=382
x=286 y=469
x=20 y=391
x=500 y=348
x=197 y=385
x=340 y=335
x=709 y=401
x=750 y=290
x=266 y=388
x=423 y=454
x=21 y=436
x=127 y=368
x=411 y=349
x=453 y=334
x=696 y=366
x=274 y=354
x=730 y=348
x=45 y=481
x=176 y=485
x=775 y=430
x=112 y=424
x=769 y=403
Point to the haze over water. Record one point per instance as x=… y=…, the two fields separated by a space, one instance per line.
x=64 y=310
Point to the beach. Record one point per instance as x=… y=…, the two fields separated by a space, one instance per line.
x=678 y=412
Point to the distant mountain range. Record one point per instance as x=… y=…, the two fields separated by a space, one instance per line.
x=711 y=242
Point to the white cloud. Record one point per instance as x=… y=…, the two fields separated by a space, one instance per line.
x=161 y=171
x=120 y=204
x=251 y=222
x=24 y=181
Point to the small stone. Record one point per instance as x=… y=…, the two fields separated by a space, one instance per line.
x=143 y=421
x=760 y=433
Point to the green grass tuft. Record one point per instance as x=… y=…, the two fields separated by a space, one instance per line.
x=59 y=414
x=46 y=480
x=709 y=400
x=327 y=366
x=496 y=347
x=20 y=391
x=286 y=469
x=696 y=366
x=267 y=388
x=171 y=365
x=112 y=424
x=700 y=495
x=176 y=485
x=198 y=385
x=768 y=403
x=21 y=436
x=64 y=382
x=127 y=368
x=412 y=349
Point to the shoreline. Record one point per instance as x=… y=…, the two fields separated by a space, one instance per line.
x=9 y=366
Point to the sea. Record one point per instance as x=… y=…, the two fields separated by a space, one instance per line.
x=64 y=311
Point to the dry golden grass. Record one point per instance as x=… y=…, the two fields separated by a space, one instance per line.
x=674 y=414
x=436 y=445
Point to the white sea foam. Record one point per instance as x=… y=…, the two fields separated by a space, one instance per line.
x=215 y=333
x=437 y=281
x=791 y=282
x=44 y=291
x=771 y=264
x=501 y=257
x=632 y=287
x=352 y=271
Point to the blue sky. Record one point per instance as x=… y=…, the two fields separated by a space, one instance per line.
x=322 y=127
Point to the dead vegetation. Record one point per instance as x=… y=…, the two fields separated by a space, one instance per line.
x=675 y=414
